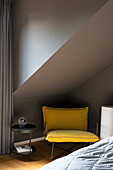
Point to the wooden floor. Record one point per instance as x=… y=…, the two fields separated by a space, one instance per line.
x=39 y=158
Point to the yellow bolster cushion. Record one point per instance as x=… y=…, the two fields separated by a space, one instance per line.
x=65 y=118
x=71 y=136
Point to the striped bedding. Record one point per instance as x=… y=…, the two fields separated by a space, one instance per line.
x=94 y=157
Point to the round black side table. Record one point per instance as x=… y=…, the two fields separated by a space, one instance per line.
x=29 y=128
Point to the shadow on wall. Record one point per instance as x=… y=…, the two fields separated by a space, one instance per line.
x=109 y=99
x=77 y=102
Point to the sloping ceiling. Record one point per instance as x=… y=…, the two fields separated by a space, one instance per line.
x=41 y=27
x=89 y=51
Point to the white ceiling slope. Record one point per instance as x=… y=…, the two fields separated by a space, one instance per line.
x=89 y=51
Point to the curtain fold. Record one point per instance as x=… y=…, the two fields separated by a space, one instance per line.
x=6 y=81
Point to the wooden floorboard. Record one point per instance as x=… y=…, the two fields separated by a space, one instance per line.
x=39 y=158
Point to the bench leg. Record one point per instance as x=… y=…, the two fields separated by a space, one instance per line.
x=52 y=151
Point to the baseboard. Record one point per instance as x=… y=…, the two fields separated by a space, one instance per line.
x=27 y=141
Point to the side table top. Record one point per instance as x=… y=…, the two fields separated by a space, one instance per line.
x=27 y=129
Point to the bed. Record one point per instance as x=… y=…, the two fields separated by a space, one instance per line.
x=94 y=157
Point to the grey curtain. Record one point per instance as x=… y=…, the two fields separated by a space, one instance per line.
x=6 y=66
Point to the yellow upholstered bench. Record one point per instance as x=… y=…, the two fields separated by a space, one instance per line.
x=67 y=125
x=71 y=136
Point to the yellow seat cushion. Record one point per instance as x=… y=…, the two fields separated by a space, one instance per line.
x=71 y=136
x=65 y=118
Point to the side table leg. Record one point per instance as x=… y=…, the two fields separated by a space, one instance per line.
x=30 y=144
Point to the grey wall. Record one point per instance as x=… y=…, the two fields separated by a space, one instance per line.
x=70 y=66
x=95 y=92
x=88 y=51
x=41 y=27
